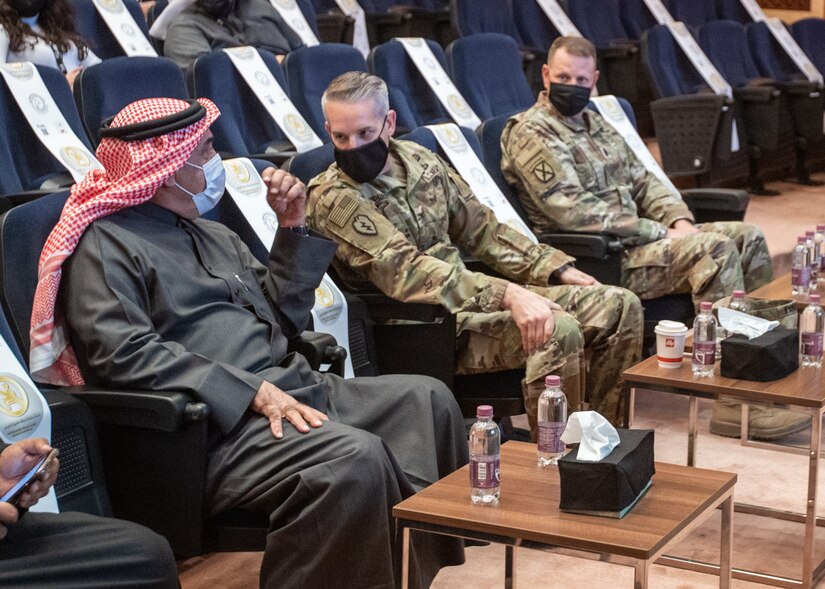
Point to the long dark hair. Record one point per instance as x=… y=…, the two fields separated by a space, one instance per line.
x=56 y=20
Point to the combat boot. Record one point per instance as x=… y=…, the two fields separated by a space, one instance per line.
x=764 y=423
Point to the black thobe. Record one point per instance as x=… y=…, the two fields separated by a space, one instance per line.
x=79 y=551
x=158 y=302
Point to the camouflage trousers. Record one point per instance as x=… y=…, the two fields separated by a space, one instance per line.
x=604 y=320
x=709 y=265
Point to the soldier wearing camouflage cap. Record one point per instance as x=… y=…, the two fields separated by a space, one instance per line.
x=400 y=214
x=574 y=172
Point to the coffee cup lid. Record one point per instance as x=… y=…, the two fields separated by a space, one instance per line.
x=670 y=327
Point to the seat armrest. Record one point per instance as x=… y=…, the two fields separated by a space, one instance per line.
x=618 y=50
x=383 y=309
x=801 y=88
x=756 y=94
x=146 y=409
x=583 y=245
x=320 y=348
x=716 y=199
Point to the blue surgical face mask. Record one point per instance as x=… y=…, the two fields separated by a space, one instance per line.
x=215 y=176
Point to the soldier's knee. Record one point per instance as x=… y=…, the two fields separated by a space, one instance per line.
x=568 y=333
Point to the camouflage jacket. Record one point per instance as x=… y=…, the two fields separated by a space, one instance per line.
x=403 y=231
x=580 y=175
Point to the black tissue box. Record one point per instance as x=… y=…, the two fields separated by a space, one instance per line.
x=769 y=356
x=611 y=486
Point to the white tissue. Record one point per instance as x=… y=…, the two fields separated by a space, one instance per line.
x=747 y=325
x=595 y=435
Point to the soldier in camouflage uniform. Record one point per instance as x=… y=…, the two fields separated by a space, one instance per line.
x=400 y=214
x=574 y=172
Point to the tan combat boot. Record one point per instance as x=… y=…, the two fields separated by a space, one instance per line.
x=764 y=423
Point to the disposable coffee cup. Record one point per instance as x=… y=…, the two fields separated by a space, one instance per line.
x=670 y=343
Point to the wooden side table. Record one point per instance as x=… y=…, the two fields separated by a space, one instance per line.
x=528 y=515
x=803 y=390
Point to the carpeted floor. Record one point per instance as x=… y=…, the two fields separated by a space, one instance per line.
x=765 y=477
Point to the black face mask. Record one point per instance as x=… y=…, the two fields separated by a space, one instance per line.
x=217 y=8
x=568 y=99
x=364 y=163
x=27 y=8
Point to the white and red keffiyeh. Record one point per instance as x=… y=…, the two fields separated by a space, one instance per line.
x=134 y=170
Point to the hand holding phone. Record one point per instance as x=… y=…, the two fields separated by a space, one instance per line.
x=13 y=495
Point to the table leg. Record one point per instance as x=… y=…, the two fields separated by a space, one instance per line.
x=744 y=423
x=810 y=510
x=642 y=569
x=726 y=543
x=509 y=567
x=693 y=429
x=405 y=559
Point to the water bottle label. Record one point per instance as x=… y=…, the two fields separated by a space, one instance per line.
x=822 y=264
x=811 y=344
x=704 y=353
x=485 y=472
x=801 y=277
x=550 y=436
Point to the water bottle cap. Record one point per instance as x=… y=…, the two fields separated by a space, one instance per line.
x=552 y=381
x=484 y=411
x=801 y=239
x=739 y=294
x=820 y=228
x=809 y=233
x=814 y=298
x=705 y=306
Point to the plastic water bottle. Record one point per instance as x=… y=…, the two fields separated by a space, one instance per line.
x=800 y=268
x=485 y=458
x=704 y=341
x=738 y=303
x=813 y=258
x=811 y=324
x=552 y=421
x=819 y=238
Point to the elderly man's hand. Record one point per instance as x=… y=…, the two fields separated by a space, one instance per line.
x=533 y=315
x=275 y=405
x=287 y=196
x=17 y=460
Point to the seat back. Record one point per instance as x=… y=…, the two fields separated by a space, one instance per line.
x=533 y=25
x=470 y=17
x=426 y=138
x=598 y=20
x=244 y=127
x=25 y=161
x=91 y=26
x=309 y=71
x=732 y=10
x=489 y=91
x=410 y=96
x=809 y=33
x=671 y=72
x=694 y=13
x=489 y=136
x=23 y=232
x=769 y=57
x=101 y=91
x=726 y=45
x=636 y=17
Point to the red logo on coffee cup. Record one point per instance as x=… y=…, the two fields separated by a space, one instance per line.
x=669 y=342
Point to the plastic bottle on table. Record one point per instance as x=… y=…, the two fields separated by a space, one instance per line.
x=811 y=324
x=485 y=458
x=800 y=268
x=552 y=420
x=704 y=341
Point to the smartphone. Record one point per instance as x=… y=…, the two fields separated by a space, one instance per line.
x=13 y=494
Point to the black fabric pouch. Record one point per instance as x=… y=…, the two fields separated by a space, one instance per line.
x=611 y=486
x=770 y=356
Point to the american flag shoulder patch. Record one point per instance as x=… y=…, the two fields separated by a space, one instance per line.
x=343 y=210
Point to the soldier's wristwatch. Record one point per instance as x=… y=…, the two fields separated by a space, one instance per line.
x=299 y=229
x=662 y=232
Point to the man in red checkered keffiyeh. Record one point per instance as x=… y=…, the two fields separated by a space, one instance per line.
x=134 y=170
